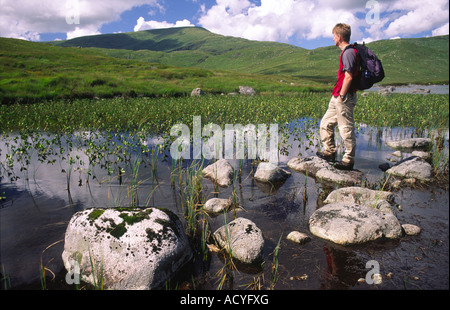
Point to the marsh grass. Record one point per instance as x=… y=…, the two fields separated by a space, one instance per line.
x=158 y=116
x=192 y=194
x=44 y=269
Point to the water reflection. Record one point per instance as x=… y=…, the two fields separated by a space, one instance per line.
x=47 y=178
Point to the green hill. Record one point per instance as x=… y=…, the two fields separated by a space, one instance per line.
x=424 y=60
x=172 y=62
x=31 y=71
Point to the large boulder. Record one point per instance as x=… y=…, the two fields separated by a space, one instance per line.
x=355 y=215
x=221 y=172
x=380 y=200
x=126 y=248
x=412 y=167
x=324 y=171
x=242 y=238
x=344 y=223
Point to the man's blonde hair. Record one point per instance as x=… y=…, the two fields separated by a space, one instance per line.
x=343 y=30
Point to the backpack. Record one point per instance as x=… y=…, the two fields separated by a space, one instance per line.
x=370 y=69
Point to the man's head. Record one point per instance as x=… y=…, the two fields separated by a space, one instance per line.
x=342 y=33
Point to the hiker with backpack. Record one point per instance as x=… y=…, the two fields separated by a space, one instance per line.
x=359 y=69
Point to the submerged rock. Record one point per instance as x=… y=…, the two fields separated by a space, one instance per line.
x=410 y=144
x=344 y=223
x=221 y=172
x=324 y=171
x=242 y=238
x=298 y=237
x=126 y=248
x=412 y=167
x=270 y=173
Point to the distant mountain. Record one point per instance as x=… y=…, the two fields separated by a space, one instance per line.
x=423 y=60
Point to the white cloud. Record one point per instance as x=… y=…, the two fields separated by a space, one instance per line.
x=275 y=20
x=26 y=19
x=81 y=32
x=443 y=30
x=147 y=25
x=420 y=16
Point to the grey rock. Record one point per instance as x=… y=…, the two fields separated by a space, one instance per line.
x=242 y=238
x=322 y=170
x=221 y=172
x=420 y=91
x=197 y=92
x=298 y=237
x=380 y=200
x=424 y=155
x=129 y=249
x=397 y=154
x=217 y=205
x=411 y=230
x=412 y=167
x=268 y=172
x=346 y=224
x=410 y=144
x=245 y=90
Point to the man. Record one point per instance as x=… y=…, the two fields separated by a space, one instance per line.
x=342 y=104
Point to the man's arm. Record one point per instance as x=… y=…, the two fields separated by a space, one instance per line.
x=346 y=85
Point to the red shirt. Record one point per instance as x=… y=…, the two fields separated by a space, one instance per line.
x=341 y=76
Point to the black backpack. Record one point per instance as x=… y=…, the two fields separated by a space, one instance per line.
x=370 y=69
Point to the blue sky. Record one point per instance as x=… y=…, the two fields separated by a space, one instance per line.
x=304 y=23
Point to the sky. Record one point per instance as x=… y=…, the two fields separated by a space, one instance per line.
x=304 y=23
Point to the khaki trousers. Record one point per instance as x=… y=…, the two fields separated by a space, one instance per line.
x=340 y=114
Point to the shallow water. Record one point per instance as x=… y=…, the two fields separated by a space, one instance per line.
x=408 y=89
x=39 y=205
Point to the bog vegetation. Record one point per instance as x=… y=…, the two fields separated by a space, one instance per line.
x=158 y=115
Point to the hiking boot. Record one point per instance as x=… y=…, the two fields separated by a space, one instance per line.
x=331 y=157
x=342 y=165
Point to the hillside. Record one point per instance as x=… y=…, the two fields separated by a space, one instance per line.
x=424 y=60
x=172 y=62
x=32 y=71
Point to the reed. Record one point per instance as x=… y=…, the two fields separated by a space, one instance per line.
x=275 y=274
x=192 y=194
x=5 y=279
